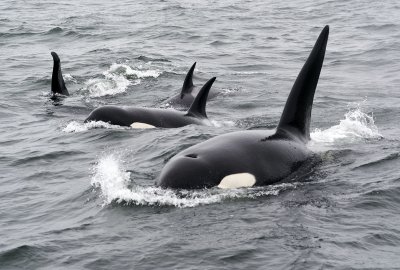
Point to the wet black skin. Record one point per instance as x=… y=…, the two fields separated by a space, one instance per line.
x=270 y=157
x=126 y=116
x=166 y=118
x=57 y=81
x=185 y=98
x=204 y=165
x=182 y=102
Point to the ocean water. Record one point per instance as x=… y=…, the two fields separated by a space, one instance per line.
x=83 y=196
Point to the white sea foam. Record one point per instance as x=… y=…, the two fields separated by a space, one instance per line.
x=116 y=80
x=114 y=183
x=219 y=124
x=228 y=91
x=69 y=78
x=110 y=85
x=356 y=125
x=140 y=72
x=81 y=127
x=249 y=73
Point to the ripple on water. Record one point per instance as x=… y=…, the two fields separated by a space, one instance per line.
x=25 y=256
x=44 y=158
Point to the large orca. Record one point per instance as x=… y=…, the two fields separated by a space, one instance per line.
x=185 y=98
x=150 y=117
x=249 y=158
x=57 y=81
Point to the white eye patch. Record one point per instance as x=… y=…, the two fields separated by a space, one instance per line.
x=238 y=180
x=141 y=125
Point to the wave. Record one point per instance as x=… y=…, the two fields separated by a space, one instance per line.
x=117 y=79
x=17 y=257
x=34 y=156
x=380 y=161
x=16 y=34
x=356 y=125
x=117 y=187
x=55 y=30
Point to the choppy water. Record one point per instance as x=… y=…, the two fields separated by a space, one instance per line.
x=82 y=196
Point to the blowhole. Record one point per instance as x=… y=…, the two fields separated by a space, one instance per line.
x=191 y=156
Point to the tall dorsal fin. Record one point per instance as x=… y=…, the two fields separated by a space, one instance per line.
x=198 y=107
x=297 y=112
x=188 y=83
x=57 y=81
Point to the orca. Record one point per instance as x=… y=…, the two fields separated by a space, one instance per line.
x=153 y=117
x=57 y=81
x=254 y=157
x=185 y=98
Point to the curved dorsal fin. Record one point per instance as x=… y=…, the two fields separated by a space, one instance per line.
x=188 y=83
x=297 y=112
x=198 y=107
x=57 y=81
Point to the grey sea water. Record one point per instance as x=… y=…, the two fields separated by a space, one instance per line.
x=82 y=196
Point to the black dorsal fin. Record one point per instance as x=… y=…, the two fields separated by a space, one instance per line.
x=57 y=81
x=198 y=107
x=297 y=112
x=188 y=83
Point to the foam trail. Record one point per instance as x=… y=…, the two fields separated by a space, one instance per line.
x=116 y=80
x=112 y=84
x=139 y=73
x=109 y=176
x=74 y=126
x=357 y=125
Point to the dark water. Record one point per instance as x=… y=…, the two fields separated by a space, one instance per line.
x=77 y=196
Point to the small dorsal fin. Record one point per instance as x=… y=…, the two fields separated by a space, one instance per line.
x=57 y=81
x=198 y=107
x=297 y=112
x=188 y=83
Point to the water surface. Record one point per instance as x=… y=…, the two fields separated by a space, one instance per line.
x=82 y=196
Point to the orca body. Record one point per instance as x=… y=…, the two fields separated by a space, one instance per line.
x=185 y=98
x=254 y=157
x=57 y=81
x=150 y=117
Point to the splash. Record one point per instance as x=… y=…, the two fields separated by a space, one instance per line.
x=116 y=187
x=74 y=126
x=357 y=125
x=117 y=79
x=110 y=177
